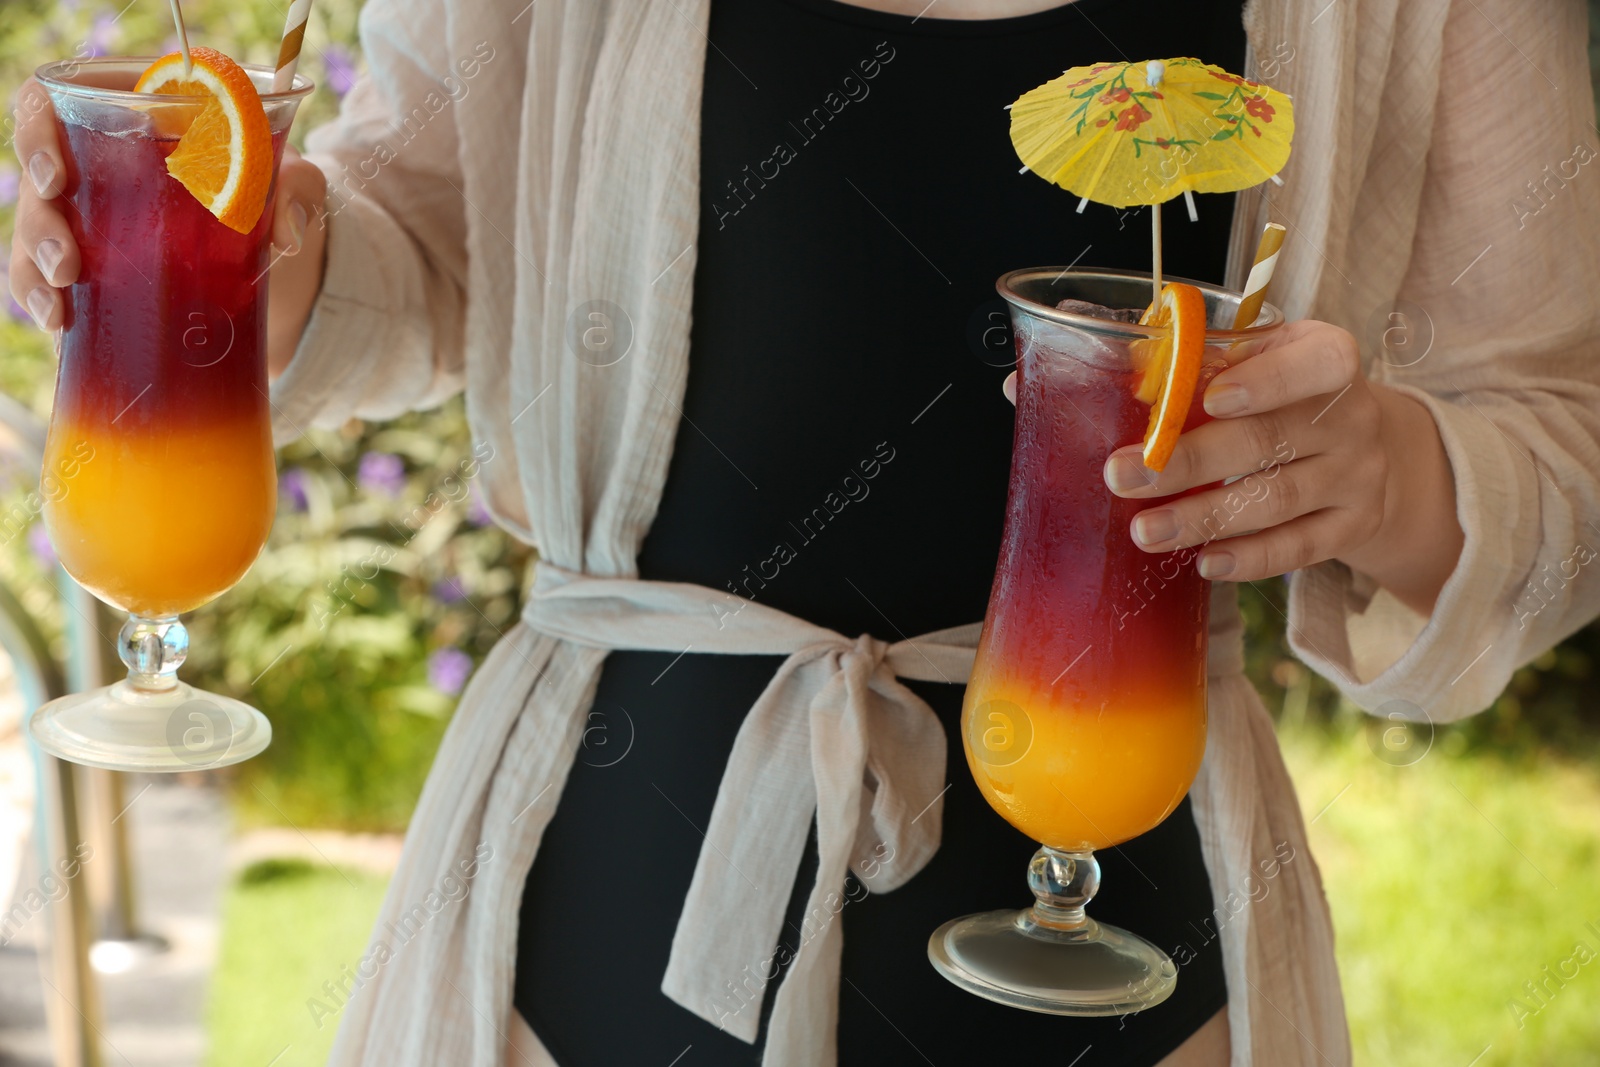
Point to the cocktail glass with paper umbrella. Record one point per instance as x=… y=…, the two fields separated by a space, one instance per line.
x=1126 y=134
x=1084 y=720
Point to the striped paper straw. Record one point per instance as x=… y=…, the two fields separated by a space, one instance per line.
x=1255 y=287
x=294 y=35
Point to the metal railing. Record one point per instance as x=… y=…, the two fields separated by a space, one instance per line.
x=77 y=806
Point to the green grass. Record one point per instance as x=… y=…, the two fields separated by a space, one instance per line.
x=288 y=927
x=1453 y=881
x=1436 y=873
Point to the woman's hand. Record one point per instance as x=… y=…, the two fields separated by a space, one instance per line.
x=1330 y=466
x=44 y=255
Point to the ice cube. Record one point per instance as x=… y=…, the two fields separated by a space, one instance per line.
x=1099 y=311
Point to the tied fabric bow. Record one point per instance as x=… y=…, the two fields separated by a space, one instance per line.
x=834 y=734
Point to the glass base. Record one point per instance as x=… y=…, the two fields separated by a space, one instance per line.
x=123 y=727
x=1095 y=970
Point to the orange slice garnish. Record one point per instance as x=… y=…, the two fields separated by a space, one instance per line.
x=224 y=156
x=1171 y=367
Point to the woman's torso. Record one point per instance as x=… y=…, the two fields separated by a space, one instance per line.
x=843 y=457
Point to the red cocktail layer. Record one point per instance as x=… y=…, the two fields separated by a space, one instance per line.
x=1071 y=582
x=166 y=325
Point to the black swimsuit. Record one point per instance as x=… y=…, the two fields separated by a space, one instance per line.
x=859 y=196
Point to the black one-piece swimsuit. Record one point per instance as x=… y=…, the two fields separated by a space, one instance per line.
x=859 y=197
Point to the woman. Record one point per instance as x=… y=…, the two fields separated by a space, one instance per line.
x=528 y=202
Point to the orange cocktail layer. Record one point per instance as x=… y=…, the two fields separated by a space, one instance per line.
x=1079 y=775
x=160 y=520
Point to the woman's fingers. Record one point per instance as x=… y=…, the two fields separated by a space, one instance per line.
x=1009 y=387
x=1290 y=546
x=302 y=194
x=38 y=149
x=44 y=256
x=1254 y=502
x=1307 y=359
x=44 y=236
x=300 y=231
x=31 y=291
x=1217 y=450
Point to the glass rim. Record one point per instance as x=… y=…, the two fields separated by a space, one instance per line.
x=1005 y=286
x=54 y=77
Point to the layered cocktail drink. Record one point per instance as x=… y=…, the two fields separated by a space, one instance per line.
x=160 y=441
x=1085 y=714
x=163 y=376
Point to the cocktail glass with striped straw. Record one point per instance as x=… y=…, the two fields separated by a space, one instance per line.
x=294 y=36
x=1255 y=287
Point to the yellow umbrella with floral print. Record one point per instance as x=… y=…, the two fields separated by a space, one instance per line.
x=1142 y=133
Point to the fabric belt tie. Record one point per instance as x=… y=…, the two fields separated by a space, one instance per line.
x=834 y=734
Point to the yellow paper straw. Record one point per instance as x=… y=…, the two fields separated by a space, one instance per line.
x=294 y=35
x=1255 y=287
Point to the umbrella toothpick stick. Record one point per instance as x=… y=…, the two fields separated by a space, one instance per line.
x=183 y=38
x=1155 y=254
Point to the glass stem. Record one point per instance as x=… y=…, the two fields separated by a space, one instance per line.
x=153 y=650
x=1062 y=883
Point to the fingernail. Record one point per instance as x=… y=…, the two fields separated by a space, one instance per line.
x=42 y=171
x=48 y=256
x=1216 y=564
x=297 y=224
x=1153 y=527
x=40 y=303
x=1226 y=400
x=1125 y=474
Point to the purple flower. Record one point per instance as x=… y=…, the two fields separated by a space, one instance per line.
x=39 y=543
x=448 y=670
x=103 y=35
x=382 y=472
x=477 y=510
x=8 y=187
x=340 y=66
x=292 y=488
x=450 y=591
